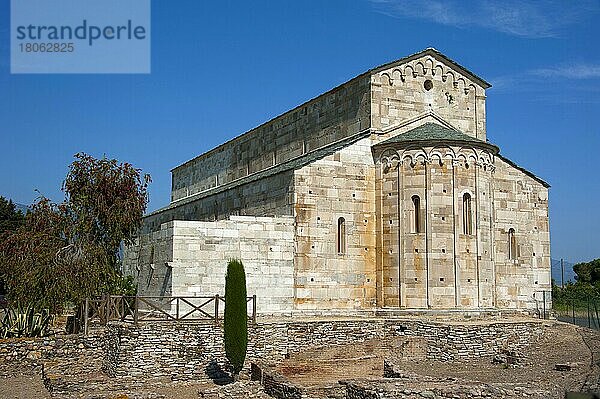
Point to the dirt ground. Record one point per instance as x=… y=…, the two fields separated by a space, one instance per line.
x=560 y=344
x=26 y=383
x=22 y=383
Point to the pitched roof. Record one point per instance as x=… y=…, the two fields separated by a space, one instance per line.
x=428 y=51
x=522 y=169
x=291 y=164
x=434 y=133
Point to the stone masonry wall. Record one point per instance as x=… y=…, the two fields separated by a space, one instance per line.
x=201 y=251
x=399 y=94
x=453 y=342
x=58 y=358
x=340 y=186
x=33 y=350
x=332 y=116
x=188 y=258
x=445 y=261
x=273 y=384
x=148 y=260
x=264 y=196
x=521 y=203
x=183 y=351
x=390 y=389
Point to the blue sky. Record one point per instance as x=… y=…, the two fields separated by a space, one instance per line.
x=221 y=68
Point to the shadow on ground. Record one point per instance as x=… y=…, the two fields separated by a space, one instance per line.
x=215 y=372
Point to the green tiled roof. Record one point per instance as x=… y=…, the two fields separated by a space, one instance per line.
x=434 y=133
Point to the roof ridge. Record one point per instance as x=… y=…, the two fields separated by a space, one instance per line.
x=429 y=50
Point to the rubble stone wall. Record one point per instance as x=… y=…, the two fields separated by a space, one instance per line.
x=184 y=351
x=389 y=389
x=455 y=342
x=89 y=349
x=273 y=384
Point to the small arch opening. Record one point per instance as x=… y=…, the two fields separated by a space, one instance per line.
x=512 y=244
x=467 y=215
x=416 y=225
x=341 y=236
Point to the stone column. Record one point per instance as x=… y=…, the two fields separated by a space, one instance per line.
x=379 y=235
x=477 y=232
x=455 y=163
x=493 y=236
x=427 y=230
x=401 y=265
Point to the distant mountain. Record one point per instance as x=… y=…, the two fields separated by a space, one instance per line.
x=556 y=271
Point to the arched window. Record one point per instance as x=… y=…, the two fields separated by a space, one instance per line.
x=341 y=236
x=416 y=227
x=467 y=215
x=512 y=244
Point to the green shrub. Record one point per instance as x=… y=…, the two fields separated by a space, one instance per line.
x=25 y=322
x=236 y=316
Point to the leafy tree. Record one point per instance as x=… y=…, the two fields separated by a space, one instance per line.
x=586 y=287
x=10 y=220
x=236 y=316
x=28 y=258
x=588 y=272
x=106 y=202
x=69 y=251
x=10 y=217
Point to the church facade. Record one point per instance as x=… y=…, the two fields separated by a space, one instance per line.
x=383 y=192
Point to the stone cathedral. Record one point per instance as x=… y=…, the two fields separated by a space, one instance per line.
x=383 y=192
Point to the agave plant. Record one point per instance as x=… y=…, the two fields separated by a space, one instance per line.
x=25 y=322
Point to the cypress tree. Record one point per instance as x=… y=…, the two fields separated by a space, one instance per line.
x=236 y=316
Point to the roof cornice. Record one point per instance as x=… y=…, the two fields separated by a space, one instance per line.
x=438 y=56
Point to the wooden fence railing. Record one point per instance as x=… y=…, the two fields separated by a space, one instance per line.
x=153 y=308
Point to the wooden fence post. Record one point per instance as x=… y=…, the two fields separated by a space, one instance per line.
x=123 y=300
x=85 y=316
x=217 y=308
x=544 y=293
x=588 y=309
x=102 y=309
x=254 y=309
x=135 y=311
